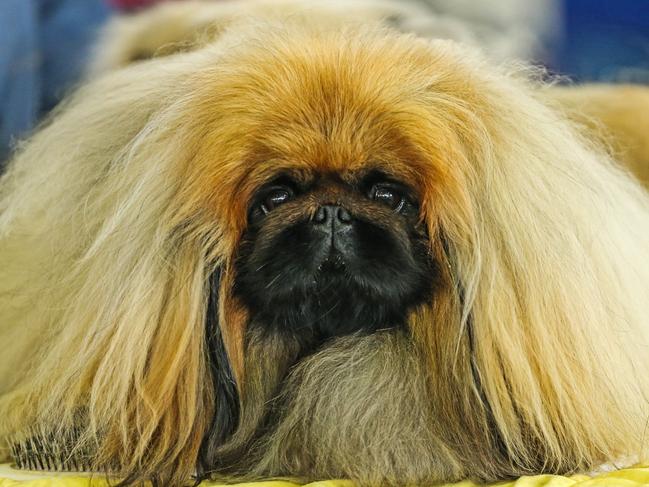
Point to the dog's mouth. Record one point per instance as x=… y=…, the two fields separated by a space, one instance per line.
x=337 y=295
x=333 y=264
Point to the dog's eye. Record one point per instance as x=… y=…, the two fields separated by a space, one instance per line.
x=275 y=197
x=388 y=195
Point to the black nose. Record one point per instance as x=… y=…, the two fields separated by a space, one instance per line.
x=332 y=215
x=333 y=223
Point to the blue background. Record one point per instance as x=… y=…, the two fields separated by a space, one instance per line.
x=604 y=40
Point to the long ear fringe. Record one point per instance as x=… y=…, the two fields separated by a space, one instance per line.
x=118 y=362
x=552 y=257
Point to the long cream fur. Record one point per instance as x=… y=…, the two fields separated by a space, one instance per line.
x=112 y=217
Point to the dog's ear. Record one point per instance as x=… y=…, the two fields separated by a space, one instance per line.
x=117 y=353
x=538 y=280
x=226 y=398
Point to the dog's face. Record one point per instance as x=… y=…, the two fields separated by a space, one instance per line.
x=327 y=255
x=330 y=190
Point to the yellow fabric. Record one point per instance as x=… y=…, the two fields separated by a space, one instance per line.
x=629 y=477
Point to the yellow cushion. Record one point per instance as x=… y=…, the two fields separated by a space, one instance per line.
x=629 y=477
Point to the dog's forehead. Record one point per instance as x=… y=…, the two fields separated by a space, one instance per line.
x=327 y=104
x=329 y=124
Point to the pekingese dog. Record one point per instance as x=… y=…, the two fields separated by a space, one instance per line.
x=314 y=251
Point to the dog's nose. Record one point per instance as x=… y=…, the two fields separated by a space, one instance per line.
x=332 y=216
x=334 y=224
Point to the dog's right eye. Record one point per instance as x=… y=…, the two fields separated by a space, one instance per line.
x=275 y=197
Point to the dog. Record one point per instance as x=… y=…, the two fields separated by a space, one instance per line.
x=318 y=251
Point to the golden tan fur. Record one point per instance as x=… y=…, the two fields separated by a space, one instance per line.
x=532 y=357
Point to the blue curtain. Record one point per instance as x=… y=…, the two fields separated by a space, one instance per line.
x=605 y=40
x=43 y=45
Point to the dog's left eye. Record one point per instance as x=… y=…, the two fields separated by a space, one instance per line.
x=388 y=195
